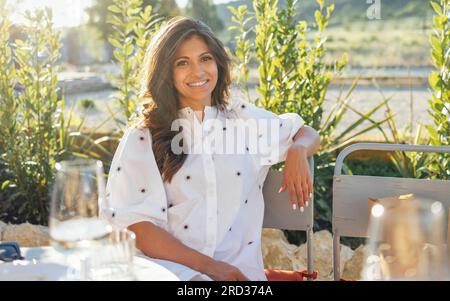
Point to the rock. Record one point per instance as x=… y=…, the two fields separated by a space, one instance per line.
x=276 y=250
x=27 y=235
x=322 y=255
x=2 y=228
x=353 y=267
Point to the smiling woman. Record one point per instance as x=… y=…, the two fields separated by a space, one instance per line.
x=66 y=13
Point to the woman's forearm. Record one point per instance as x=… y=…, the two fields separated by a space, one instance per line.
x=157 y=243
x=307 y=138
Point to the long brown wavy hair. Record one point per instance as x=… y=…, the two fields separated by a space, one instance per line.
x=158 y=88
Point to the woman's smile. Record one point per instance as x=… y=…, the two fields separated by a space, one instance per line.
x=199 y=84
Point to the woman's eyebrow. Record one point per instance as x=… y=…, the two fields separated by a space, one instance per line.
x=186 y=57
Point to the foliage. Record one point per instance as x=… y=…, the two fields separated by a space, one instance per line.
x=440 y=84
x=205 y=11
x=35 y=133
x=98 y=13
x=133 y=28
x=294 y=78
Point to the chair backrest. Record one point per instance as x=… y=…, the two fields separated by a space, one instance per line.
x=351 y=193
x=278 y=213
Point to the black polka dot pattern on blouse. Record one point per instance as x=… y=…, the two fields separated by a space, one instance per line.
x=170 y=205
x=246 y=201
x=119 y=168
x=188 y=177
x=143 y=190
x=238 y=173
x=250 y=242
x=186 y=226
x=163 y=209
x=141 y=138
x=243 y=106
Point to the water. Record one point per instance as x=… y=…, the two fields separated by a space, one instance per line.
x=78 y=233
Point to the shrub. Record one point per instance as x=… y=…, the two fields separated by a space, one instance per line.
x=35 y=133
x=294 y=78
x=133 y=26
x=440 y=84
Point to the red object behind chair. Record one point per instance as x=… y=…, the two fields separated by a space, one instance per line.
x=283 y=275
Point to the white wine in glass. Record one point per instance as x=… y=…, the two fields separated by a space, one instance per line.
x=78 y=190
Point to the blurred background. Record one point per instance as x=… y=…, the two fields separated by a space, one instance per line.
x=391 y=48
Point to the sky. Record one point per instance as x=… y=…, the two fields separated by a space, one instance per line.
x=65 y=12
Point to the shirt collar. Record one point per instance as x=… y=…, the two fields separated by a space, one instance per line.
x=189 y=112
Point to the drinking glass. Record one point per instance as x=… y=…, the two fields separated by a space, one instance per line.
x=78 y=190
x=113 y=260
x=406 y=241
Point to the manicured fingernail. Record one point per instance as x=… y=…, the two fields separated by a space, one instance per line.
x=281 y=189
x=301 y=209
x=294 y=206
x=307 y=203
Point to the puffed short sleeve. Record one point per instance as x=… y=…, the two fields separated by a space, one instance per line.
x=135 y=191
x=275 y=132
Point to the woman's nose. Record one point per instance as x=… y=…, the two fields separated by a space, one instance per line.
x=197 y=68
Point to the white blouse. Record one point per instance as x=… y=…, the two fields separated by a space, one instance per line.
x=214 y=203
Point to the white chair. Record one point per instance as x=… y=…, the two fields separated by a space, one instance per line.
x=351 y=193
x=278 y=213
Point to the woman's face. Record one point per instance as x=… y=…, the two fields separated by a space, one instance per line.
x=194 y=72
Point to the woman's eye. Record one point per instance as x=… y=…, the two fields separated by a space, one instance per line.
x=206 y=58
x=181 y=63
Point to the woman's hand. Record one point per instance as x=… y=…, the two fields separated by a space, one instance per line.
x=296 y=177
x=222 y=271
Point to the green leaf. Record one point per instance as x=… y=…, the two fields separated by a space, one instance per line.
x=114 y=9
x=433 y=133
x=114 y=42
x=436 y=43
x=436 y=7
x=321 y=3
x=5 y=184
x=433 y=79
x=118 y=55
x=233 y=10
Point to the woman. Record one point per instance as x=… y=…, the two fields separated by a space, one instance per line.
x=200 y=212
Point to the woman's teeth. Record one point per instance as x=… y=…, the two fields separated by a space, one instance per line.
x=198 y=84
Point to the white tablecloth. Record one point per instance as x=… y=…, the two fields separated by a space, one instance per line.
x=44 y=263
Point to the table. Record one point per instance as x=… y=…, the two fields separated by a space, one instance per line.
x=45 y=263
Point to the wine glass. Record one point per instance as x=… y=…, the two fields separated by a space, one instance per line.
x=406 y=241
x=78 y=190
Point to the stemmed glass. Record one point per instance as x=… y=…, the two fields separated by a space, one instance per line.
x=406 y=241
x=78 y=190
